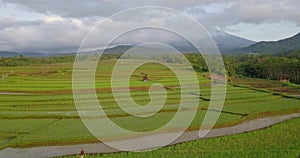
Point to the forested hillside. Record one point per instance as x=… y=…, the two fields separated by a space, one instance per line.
x=273 y=47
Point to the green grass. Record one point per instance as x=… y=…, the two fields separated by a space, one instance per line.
x=281 y=140
x=56 y=132
x=272 y=85
x=46 y=114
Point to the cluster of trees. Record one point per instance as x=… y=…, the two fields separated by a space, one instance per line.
x=197 y=62
x=22 y=60
x=271 y=67
x=264 y=66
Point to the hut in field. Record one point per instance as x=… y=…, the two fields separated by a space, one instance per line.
x=216 y=77
x=283 y=78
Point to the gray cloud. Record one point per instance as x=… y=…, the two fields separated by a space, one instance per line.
x=66 y=22
x=233 y=12
x=79 y=8
x=46 y=35
x=10 y=22
x=256 y=12
x=251 y=11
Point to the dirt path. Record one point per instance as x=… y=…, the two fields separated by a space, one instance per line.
x=50 y=151
x=13 y=93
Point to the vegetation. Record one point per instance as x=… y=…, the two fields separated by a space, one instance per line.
x=22 y=60
x=39 y=108
x=283 y=65
x=274 y=47
x=269 y=67
x=270 y=85
x=281 y=140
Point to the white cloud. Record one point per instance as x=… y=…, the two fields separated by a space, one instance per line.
x=49 y=19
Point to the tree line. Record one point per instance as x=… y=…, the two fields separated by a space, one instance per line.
x=265 y=66
x=23 y=60
x=273 y=67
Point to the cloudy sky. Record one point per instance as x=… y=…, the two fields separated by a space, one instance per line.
x=49 y=25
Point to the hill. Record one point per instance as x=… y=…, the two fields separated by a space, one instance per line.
x=227 y=42
x=273 y=47
x=7 y=54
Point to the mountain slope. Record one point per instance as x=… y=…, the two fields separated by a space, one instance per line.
x=7 y=54
x=273 y=47
x=227 y=42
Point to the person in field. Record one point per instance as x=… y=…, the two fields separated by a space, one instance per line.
x=145 y=78
x=81 y=153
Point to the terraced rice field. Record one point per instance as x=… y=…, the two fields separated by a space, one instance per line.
x=37 y=106
x=277 y=141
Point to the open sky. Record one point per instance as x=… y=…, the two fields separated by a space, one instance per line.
x=38 y=25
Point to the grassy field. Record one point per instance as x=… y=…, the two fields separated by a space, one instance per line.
x=41 y=111
x=281 y=140
x=272 y=85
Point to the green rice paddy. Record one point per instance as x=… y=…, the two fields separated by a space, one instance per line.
x=37 y=109
x=281 y=140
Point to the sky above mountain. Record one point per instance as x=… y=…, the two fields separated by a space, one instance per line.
x=32 y=25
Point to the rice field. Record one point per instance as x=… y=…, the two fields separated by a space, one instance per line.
x=281 y=140
x=37 y=106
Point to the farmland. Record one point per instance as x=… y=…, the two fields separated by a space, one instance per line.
x=277 y=141
x=37 y=106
